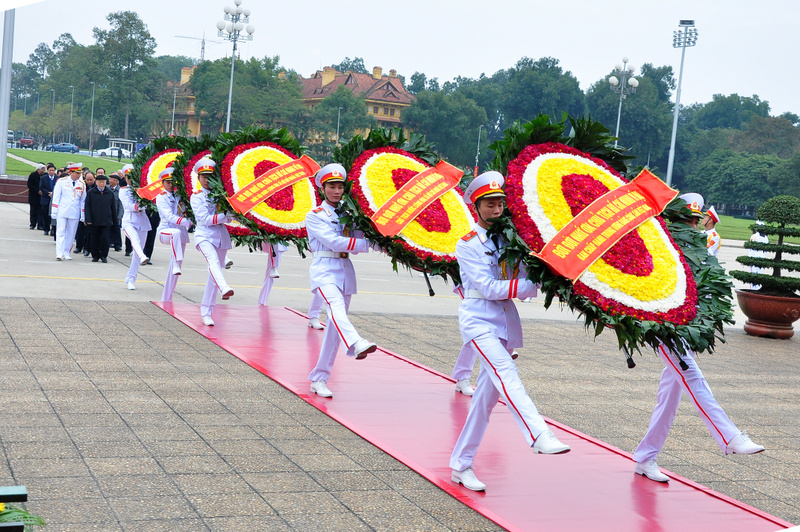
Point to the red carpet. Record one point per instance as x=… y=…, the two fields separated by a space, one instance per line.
x=412 y=413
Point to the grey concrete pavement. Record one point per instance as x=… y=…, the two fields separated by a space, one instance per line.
x=118 y=417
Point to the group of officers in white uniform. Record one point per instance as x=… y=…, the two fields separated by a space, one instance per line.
x=488 y=318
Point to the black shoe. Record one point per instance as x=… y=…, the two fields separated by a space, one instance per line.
x=104 y=260
x=33 y=227
x=78 y=250
x=85 y=253
x=47 y=233
x=117 y=249
x=127 y=253
x=95 y=260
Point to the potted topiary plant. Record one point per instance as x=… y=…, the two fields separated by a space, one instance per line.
x=772 y=308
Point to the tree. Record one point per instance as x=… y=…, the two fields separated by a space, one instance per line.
x=734 y=178
x=262 y=93
x=732 y=111
x=128 y=50
x=418 y=81
x=354 y=119
x=450 y=121
x=540 y=86
x=170 y=66
x=770 y=135
x=41 y=60
x=352 y=65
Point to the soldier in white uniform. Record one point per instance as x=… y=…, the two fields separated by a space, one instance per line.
x=274 y=252
x=674 y=382
x=69 y=197
x=211 y=238
x=710 y=220
x=333 y=277
x=489 y=322
x=172 y=231
x=135 y=225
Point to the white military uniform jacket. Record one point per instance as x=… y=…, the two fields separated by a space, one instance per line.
x=133 y=217
x=69 y=198
x=714 y=242
x=488 y=305
x=171 y=214
x=326 y=234
x=210 y=225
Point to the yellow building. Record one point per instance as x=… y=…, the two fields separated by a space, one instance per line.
x=188 y=122
x=386 y=96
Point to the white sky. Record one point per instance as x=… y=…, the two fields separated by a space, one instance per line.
x=744 y=47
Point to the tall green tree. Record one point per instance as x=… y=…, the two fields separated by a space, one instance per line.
x=734 y=178
x=540 y=86
x=450 y=121
x=732 y=111
x=352 y=65
x=325 y=117
x=128 y=52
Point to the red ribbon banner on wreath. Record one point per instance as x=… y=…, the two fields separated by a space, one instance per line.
x=603 y=223
x=150 y=191
x=414 y=197
x=272 y=181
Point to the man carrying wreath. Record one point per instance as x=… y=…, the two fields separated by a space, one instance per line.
x=333 y=277
x=489 y=322
x=211 y=238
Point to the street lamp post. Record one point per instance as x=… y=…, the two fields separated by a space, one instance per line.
x=477 y=152
x=338 y=117
x=680 y=39
x=53 y=114
x=619 y=86
x=71 y=106
x=236 y=18
x=91 y=122
x=174 y=97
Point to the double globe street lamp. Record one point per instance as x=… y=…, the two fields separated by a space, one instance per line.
x=623 y=85
x=231 y=29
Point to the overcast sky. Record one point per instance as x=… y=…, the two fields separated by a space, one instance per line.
x=744 y=46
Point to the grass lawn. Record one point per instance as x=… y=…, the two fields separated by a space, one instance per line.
x=15 y=167
x=739 y=229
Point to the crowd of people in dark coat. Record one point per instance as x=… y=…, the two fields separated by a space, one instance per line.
x=101 y=229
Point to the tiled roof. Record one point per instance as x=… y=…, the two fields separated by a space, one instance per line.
x=385 y=90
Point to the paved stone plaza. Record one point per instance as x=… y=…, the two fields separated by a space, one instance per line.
x=118 y=417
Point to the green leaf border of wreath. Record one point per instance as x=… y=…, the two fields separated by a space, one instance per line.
x=415 y=144
x=714 y=288
x=142 y=156
x=224 y=144
x=190 y=148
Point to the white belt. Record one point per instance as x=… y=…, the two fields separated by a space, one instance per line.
x=474 y=294
x=331 y=254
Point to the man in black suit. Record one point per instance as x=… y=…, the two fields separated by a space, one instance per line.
x=34 y=201
x=46 y=183
x=100 y=214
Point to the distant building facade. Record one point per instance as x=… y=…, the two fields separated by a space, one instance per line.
x=385 y=95
x=188 y=122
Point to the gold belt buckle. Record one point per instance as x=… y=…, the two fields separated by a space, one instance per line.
x=344 y=255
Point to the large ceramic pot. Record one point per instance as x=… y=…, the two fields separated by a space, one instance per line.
x=770 y=316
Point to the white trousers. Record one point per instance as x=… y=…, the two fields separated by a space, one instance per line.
x=674 y=382
x=174 y=239
x=65 y=235
x=339 y=330
x=136 y=236
x=498 y=377
x=273 y=261
x=215 y=257
x=316 y=305
x=465 y=362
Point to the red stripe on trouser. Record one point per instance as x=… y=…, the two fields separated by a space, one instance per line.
x=172 y=243
x=333 y=318
x=505 y=392
x=691 y=394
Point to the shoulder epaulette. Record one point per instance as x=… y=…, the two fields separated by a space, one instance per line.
x=469 y=236
x=318 y=209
